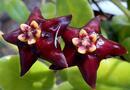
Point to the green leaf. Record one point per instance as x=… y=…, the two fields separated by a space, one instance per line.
x=113 y=74
x=121 y=26
x=38 y=78
x=75 y=79
x=63 y=75
x=80 y=10
x=48 y=10
x=64 y=86
x=16 y=10
x=105 y=87
x=126 y=43
x=62 y=7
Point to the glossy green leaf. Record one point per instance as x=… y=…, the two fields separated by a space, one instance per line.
x=105 y=87
x=48 y=10
x=62 y=7
x=38 y=78
x=64 y=86
x=113 y=74
x=16 y=10
x=75 y=79
x=63 y=74
x=80 y=10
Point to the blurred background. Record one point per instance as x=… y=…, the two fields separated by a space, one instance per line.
x=113 y=74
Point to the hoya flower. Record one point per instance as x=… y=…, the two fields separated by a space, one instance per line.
x=37 y=39
x=30 y=33
x=85 y=47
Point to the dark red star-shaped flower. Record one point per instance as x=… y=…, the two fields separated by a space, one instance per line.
x=85 y=47
x=37 y=39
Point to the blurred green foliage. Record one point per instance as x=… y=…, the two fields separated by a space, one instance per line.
x=121 y=26
x=16 y=9
x=38 y=78
x=80 y=10
x=48 y=10
x=113 y=74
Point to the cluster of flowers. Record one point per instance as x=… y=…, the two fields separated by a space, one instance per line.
x=85 y=47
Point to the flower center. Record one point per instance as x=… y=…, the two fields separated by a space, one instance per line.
x=85 y=42
x=30 y=32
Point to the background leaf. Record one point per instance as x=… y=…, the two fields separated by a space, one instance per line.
x=38 y=78
x=48 y=10
x=121 y=26
x=16 y=10
x=113 y=74
x=126 y=43
x=80 y=10
x=64 y=86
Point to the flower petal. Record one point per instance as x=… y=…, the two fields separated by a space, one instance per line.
x=56 y=57
x=48 y=52
x=88 y=67
x=12 y=36
x=82 y=50
x=70 y=55
x=69 y=34
x=93 y=37
x=24 y=27
x=35 y=14
x=93 y=25
x=106 y=48
x=82 y=33
x=27 y=58
x=38 y=33
x=63 y=21
x=75 y=41
x=31 y=41
x=22 y=38
x=54 y=23
x=34 y=24
x=92 y=48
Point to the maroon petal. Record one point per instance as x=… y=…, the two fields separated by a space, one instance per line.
x=88 y=67
x=27 y=58
x=35 y=15
x=48 y=51
x=70 y=54
x=69 y=34
x=56 y=24
x=56 y=57
x=106 y=48
x=93 y=25
x=12 y=36
x=63 y=21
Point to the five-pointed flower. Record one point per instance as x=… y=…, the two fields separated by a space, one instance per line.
x=36 y=39
x=86 y=47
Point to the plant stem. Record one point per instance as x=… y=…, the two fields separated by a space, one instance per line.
x=125 y=10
